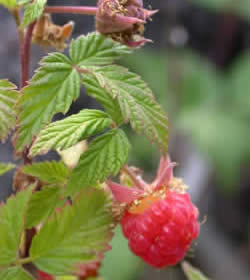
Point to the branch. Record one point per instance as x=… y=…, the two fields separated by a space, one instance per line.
x=83 y=10
x=25 y=55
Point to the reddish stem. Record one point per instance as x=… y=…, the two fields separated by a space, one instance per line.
x=25 y=47
x=71 y=10
x=25 y=55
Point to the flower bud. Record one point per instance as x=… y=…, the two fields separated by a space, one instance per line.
x=123 y=20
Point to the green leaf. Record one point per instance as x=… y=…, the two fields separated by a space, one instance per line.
x=135 y=99
x=15 y=273
x=96 y=49
x=8 y=3
x=33 y=11
x=12 y=216
x=52 y=172
x=8 y=99
x=53 y=88
x=105 y=156
x=110 y=104
x=66 y=133
x=192 y=273
x=5 y=167
x=42 y=204
x=75 y=235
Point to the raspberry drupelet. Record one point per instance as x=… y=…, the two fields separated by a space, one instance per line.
x=44 y=276
x=160 y=222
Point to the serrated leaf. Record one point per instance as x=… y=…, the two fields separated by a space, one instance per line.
x=74 y=236
x=15 y=273
x=52 y=89
x=192 y=273
x=8 y=99
x=52 y=172
x=96 y=49
x=5 y=167
x=32 y=12
x=66 y=133
x=105 y=156
x=110 y=104
x=136 y=101
x=42 y=204
x=12 y=225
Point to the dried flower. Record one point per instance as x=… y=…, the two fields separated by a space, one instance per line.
x=123 y=20
x=47 y=34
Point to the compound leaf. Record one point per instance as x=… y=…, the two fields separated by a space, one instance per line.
x=52 y=172
x=135 y=99
x=105 y=156
x=12 y=216
x=96 y=49
x=8 y=99
x=66 y=133
x=42 y=204
x=33 y=11
x=15 y=273
x=5 y=167
x=110 y=104
x=76 y=235
x=52 y=89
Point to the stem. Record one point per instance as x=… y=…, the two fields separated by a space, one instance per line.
x=83 y=10
x=25 y=55
x=139 y=183
x=25 y=69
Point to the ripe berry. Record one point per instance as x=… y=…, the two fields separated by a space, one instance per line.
x=161 y=226
x=44 y=276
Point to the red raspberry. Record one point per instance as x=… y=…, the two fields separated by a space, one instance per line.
x=161 y=226
x=44 y=276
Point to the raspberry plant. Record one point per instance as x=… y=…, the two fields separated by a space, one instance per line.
x=60 y=220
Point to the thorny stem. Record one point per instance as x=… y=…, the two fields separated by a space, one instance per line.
x=25 y=47
x=136 y=180
x=25 y=55
x=85 y=10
